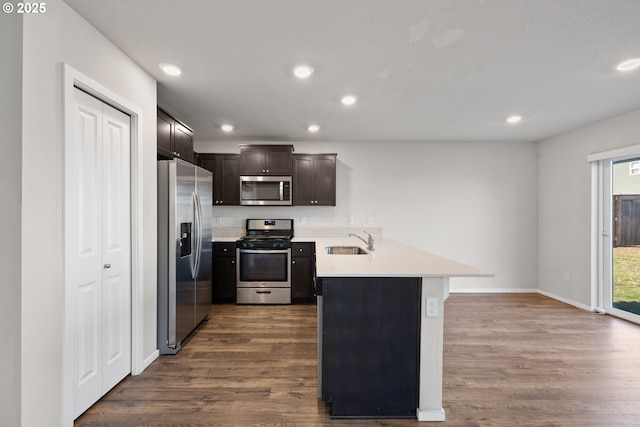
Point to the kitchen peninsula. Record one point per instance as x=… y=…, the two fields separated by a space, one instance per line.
x=380 y=328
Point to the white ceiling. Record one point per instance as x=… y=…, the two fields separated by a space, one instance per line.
x=423 y=70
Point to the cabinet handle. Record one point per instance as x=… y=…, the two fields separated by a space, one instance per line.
x=224 y=250
x=267 y=170
x=293 y=262
x=264 y=171
x=107 y=266
x=300 y=249
x=233 y=261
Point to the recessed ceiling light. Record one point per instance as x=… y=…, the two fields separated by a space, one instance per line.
x=349 y=99
x=170 y=69
x=629 y=64
x=313 y=128
x=227 y=127
x=302 y=71
x=514 y=119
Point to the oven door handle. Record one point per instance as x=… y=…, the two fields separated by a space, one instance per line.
x=264 y=251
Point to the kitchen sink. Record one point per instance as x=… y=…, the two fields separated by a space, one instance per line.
x=345 y=250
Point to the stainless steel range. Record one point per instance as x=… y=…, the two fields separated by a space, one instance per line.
x=263 y=262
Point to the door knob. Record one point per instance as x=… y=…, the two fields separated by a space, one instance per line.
x=107 y=266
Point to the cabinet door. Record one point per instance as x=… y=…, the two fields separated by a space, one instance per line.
x=224 y=273
x=266 y=160
x=227 y=181
x=303 y=271
x=165 y=134
x=325 y=180
x=314 y=179
x=303 y=193
x=183 y=143
x=278 y=160
x=301 y=279
x=224 y=280
x=208 y=162
x=252 y=161
x=226 y=176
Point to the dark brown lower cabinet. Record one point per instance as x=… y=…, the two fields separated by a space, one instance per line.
x=224 y=272
x=370 y=346
x=303 y=265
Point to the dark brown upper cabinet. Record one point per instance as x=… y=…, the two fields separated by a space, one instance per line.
x=174 y=138
x=314 y=180
x=266 y=160
x=226 y=176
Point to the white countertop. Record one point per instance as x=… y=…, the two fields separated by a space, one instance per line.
x=389 y=259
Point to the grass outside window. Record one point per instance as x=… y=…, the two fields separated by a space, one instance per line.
x=626 y=279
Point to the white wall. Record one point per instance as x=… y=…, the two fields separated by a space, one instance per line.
x=56 y=37
x=473 y=202
x=10 y=211
x=564 y=184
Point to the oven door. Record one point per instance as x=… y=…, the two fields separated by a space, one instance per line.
x=263 y=268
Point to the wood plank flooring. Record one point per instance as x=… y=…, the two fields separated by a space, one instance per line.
x=509 y=360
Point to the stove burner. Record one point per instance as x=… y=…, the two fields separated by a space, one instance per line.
x=267 y=234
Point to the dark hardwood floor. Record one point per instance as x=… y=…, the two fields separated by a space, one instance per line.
x=509 y=360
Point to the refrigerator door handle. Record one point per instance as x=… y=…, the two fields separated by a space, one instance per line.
x=198 y=234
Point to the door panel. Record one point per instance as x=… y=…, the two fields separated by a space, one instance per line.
x=325 y=181
x=618 y=291
x=97 y=248
x=83 y=248
x=117 y=331
x=185 y=293
x=116 y=247
x=88 y=325
x=204 y=188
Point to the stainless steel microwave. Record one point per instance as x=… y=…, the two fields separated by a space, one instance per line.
x=265 y=190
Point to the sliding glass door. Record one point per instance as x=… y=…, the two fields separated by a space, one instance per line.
x=621 y=239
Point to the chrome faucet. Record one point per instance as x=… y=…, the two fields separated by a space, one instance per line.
x=369 y=241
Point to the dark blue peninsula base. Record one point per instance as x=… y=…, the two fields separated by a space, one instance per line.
x=370 y=346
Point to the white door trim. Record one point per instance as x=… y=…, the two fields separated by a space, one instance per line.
x=73 y=78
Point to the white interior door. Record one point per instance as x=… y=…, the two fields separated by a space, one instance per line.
x=116 y=247
x=97 y=248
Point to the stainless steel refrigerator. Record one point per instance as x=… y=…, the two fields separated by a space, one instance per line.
x=184 y=251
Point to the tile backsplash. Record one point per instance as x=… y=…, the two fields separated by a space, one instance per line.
x=303 y=231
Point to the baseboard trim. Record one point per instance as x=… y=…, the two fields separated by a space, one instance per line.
x=526 y=291
x=492 y=291
x=567 y=301
x=430 y=414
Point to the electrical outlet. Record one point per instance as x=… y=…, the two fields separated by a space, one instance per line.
x=350 y=220
x=303 y=220
x=432 y=307
x=370 y=221
x=566 y=277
